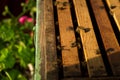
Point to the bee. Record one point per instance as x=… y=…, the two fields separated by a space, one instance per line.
x=59 y=47
x=70 y=28
x=65 y=3
x=77 y=30
x=98 y=51
x=82 y=28
x=112 y=13
x=74 y=44
x=113 y=6
x=62 y=8
x=110 y=50
x=56 y=3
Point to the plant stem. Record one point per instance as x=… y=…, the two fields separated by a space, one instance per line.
x=8 y=75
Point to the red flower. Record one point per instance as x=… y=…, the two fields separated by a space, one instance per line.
x=24 y=19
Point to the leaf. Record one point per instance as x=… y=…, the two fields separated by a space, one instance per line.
x=3 y=54
x=16 y=46
x=4 y=78
x=32 y=11
x=21 y=77
x=22 y=44
x=7 y=74
x=19 y=48
x=6 y=33
x=9 y=62
x=2 y=66
x=14 y=74
x=26 y=57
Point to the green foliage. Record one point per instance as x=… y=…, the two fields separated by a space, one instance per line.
x=16 y=44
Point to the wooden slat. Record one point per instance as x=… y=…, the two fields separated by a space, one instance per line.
x=71 y=64
x=51 y=68
x=114 y=6
x=110 y=43
x=39 y=40
x=100 y=78
x=95 y=63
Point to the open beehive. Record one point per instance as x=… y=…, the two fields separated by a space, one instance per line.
x=79 y=39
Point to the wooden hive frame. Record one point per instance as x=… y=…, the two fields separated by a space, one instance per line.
x=78 y=40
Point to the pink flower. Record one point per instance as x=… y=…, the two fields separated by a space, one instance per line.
x=29 y=19
x=24 y=19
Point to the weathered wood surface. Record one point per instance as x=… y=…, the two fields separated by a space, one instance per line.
x=68 y=45
x=70 y=58
x=93 y=58
x=39 y=39
x=100 y=78
x=114 y=6
x=110 y=42
x=49 y=43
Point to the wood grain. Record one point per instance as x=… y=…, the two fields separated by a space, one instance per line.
x=39 y=40
x=114 y=6
x=100 y=78
x=51 y=67
x=94 y=61
x=108 y=37
x=70 y=58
